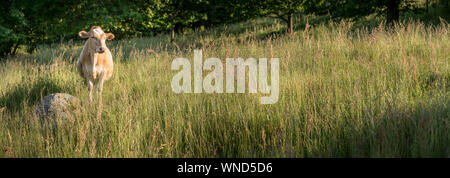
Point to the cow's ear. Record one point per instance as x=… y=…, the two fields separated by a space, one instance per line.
x=109 y=36
x=83 y=34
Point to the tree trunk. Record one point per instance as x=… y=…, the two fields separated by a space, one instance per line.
x=392 y=13
x=15 y=48
x=31 y=48
x=172 y=34
x=291 y=23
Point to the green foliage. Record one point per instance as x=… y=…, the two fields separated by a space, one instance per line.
x=31 y=23
x=12 y=22
x=359 y=8
x=25 y=24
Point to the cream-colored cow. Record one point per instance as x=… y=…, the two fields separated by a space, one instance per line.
x=95 y=63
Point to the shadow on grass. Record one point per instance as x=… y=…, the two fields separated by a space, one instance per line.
x=26 y=94
x=399 y=131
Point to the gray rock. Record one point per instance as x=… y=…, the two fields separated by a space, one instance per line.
x=59 y=106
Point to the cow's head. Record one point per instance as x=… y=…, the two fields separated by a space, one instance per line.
x=96 y=38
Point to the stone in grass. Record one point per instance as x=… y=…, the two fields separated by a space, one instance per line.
x=59 y=106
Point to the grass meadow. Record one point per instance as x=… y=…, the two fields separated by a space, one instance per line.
x=346 y=90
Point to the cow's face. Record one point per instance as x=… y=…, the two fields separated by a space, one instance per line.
x=96 y=38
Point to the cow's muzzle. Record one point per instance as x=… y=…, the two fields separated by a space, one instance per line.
x=100 y=50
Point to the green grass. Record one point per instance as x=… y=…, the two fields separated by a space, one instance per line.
x=344 y=92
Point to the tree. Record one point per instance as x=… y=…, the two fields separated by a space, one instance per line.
x=12 y=23
x=30 y=23
x=286 y=9
x=27 y=22
x=175 y=15
x=283 y=10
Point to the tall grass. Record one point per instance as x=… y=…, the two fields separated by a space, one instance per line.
x=344 y=92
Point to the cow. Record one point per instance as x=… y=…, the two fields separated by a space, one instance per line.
x=95 y=64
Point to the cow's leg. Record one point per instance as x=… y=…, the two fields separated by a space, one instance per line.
x=94 y=62
x=100 y=88
x=90 y=87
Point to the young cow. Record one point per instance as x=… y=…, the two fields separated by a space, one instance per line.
x=95 y=63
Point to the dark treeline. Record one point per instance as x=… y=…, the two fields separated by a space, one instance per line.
x=29 y=23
